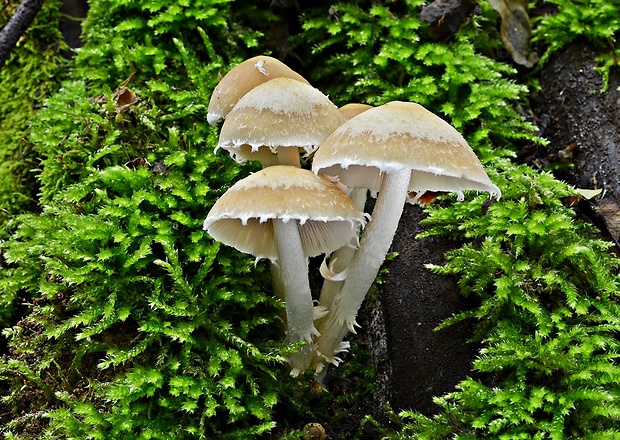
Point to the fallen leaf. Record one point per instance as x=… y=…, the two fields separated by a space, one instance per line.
x=516 y=30
x=125 y=98
x=588 y=193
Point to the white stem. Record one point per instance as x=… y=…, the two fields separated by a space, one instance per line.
x=284 y=156
x=366 y=262
x=278 y=288
x=341 y=259
x=289 y=156
x=293 y=271
x=276 y=280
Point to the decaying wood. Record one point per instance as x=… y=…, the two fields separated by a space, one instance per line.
x=583 y=127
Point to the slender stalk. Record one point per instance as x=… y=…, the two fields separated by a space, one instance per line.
x=285 y=156
x=365 y=265
x=293 y=271
x=341 y=258
x=289 y=156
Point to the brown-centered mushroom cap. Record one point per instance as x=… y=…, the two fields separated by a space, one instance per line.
x=402 y=135
x=328 y=219
x=280 y=113
x=241 y=79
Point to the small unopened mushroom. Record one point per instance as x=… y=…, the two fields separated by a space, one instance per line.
x=287 y=214
x=241 y=79
x=314 y=431
x=271 y=122
x=393 y=149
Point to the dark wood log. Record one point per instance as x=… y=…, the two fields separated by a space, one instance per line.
x=414 y=362
x=582 y=123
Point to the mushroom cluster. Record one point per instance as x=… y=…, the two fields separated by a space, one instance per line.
x=396 y=152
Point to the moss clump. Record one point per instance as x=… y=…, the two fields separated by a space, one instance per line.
x=548 y=319
x=139 y=325
x=380 y=53
x=32 y=73
x=595 y=21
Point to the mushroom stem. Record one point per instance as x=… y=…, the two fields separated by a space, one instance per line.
x=293 y=271
x=284 y=156
x=276 y=280
x=289 y=156
x=365 y=264
x=342 y=257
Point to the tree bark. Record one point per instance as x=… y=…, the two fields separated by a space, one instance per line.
x=424 y=363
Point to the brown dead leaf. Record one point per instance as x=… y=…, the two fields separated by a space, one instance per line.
x=125 y=97
x=516 y=30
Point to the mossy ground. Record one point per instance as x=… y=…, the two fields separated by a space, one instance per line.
x=124 y=320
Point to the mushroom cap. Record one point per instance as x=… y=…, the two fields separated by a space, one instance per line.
x=400 y=135
x=241 y=79
x=280 y=113
x=353 y=109
x=327 y=218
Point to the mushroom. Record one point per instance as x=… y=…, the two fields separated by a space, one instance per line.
x=394 y=148
x=241 y=79
x=273 y=120
x=287 y=214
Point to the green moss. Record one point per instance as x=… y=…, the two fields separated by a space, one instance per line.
x=380 y=53
x=548 y=319
x=140 y=325
x=31 y=74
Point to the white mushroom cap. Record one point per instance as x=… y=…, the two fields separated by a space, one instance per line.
x=396 y=136
x=280 y=113
x=241 y=79
x=327 y=218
